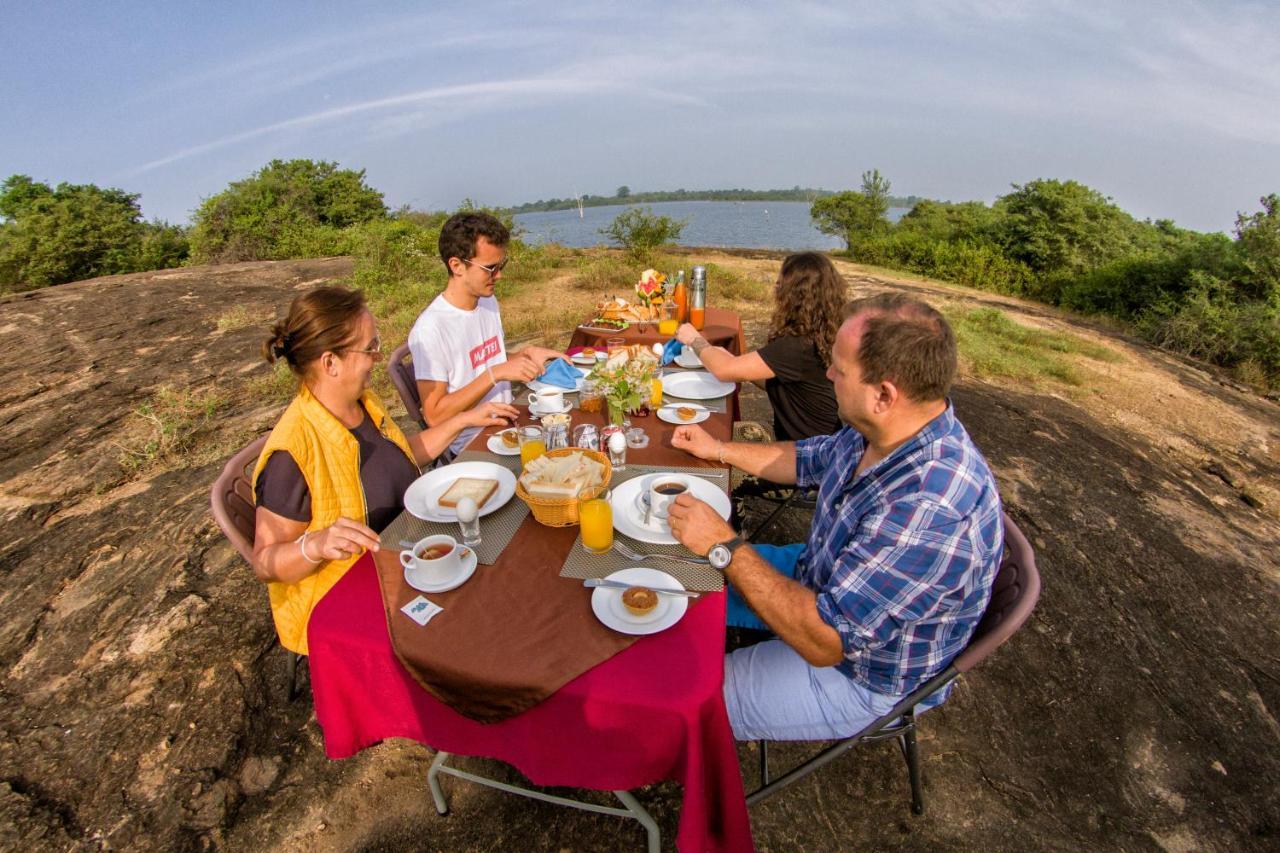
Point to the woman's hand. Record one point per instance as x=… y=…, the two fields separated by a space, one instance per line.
x=490 y=414
x=687 y=334
x=344 y=538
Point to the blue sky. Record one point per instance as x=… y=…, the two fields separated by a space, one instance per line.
x=1169 y=108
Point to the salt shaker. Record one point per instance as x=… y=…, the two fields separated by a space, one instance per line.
x=618 y=451
x=469 y=521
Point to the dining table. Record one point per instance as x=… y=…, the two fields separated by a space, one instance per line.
x=649 y=712
x=723 y=328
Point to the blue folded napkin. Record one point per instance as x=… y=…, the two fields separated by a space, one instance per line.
x=671 y=350
x=561 y=375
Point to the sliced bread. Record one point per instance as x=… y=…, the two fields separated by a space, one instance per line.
x=479 y=490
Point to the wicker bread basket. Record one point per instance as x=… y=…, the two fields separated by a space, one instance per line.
x=563 y=512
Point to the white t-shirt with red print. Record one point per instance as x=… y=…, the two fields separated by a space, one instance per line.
x=453 y=346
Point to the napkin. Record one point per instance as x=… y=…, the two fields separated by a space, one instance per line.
x=671 y=350
x=561 y=375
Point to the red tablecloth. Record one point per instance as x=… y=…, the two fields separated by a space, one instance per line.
x=653 y=712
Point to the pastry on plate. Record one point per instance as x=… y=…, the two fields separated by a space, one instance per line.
x=686 y=413
x=509 y=438
x=639 y=600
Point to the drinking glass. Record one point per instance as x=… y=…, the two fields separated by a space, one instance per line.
x=532 y=444
x=670 y=320
x=614 y=343
x=589 y=398
x=586 y=436
x=655 y=390
x=595 y=517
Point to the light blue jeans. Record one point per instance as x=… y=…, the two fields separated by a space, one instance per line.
x=774 y=694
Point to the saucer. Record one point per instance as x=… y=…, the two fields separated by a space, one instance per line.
x=495 y=445
x=541 y=412
x=466 y=568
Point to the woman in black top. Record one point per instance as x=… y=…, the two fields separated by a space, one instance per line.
x=808 y=303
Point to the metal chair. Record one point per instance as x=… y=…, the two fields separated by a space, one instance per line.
x=797 y=498
x=1013 y=597
x=233 y=508
x=406 y=383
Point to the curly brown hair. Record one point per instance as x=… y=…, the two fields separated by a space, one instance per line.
x=808 y=301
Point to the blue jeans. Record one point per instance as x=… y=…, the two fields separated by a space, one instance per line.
x=772 y=693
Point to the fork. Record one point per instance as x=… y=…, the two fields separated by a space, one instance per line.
x=632 y=555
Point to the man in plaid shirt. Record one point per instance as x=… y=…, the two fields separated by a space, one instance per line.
x=905 y=542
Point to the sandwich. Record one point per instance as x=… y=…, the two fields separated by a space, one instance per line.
x=476 y=488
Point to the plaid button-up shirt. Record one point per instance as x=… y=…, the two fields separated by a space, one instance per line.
x=903 y=556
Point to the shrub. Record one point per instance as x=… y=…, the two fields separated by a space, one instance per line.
x=640 y=231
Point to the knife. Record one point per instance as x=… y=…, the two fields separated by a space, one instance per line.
x=591 y=583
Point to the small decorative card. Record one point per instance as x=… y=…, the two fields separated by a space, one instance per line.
x=420 y=610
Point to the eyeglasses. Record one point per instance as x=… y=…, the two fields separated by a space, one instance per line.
x=374 y=349
x=491 y=269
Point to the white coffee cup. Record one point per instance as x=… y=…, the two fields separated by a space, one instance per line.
x=548 y=401
x=663 y=489
x=424 y=569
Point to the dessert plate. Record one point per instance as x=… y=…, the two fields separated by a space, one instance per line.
x=668 y=413
x=466 y=568
x=421 y=498
x=696 y=385
x=607 y=603
x=628 y=508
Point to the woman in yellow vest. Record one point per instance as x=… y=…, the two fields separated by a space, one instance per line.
x=335 y=468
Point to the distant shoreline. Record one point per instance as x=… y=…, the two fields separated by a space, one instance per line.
x=793 y=194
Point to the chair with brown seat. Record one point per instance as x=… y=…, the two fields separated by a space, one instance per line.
x=401 y=370
x=1013 y=597
x=233 y=508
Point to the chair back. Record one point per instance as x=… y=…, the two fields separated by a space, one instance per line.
x=232 y=498
x=401 y=370
x=1013 y=596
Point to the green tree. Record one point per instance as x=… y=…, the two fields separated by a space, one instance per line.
x=640 y=231
x=855 y=217
x=623 y=191
x=1258 y=238
x=1064 y=226
x=262 y=216
x=73 y=232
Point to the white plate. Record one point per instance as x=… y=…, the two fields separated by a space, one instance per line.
x=495 y=445
x=607 y=603
x=421 y=498
x=466 y=568
x=668 y=413
x=538 y=387
x=628 y=515
x=696 y=386
x=688 y=358
x=586 y=360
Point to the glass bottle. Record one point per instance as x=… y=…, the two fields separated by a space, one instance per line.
x=680 y=296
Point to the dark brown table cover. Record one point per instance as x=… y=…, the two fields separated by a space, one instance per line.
x=723 y=328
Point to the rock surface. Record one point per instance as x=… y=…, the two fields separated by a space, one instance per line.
x=143 y=705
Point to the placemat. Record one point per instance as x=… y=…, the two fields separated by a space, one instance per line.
x=496 y=528
x=582 y=564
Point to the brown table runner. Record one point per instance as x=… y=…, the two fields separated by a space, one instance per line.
x=464 y=656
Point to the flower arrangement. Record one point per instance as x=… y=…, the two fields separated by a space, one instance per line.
x=625 y=379
x=649 y=288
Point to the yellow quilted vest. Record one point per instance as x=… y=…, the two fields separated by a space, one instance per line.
x=329 y=457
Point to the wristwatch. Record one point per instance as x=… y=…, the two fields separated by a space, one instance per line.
x=721 y=554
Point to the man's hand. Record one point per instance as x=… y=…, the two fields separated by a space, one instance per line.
x=696 y=525
x=696 y=441
x=517 y=369
x=490 y=414
x=687 y=334
x=541 y=355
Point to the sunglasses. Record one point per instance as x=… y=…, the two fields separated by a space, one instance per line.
x=374 y=349
x=491 y=269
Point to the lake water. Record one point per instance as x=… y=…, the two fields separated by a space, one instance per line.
x=781 y=225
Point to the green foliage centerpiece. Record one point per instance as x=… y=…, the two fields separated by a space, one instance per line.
x=625 y=379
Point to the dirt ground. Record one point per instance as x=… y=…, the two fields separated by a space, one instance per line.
x=143 y=705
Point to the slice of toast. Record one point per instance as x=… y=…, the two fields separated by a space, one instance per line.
x=479 y=490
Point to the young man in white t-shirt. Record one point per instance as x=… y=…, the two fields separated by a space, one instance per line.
x=459 y=353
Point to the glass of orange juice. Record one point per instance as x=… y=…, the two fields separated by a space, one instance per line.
x=595 y=516
x=655 y=390
x=532 y=444
x=670 y=320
